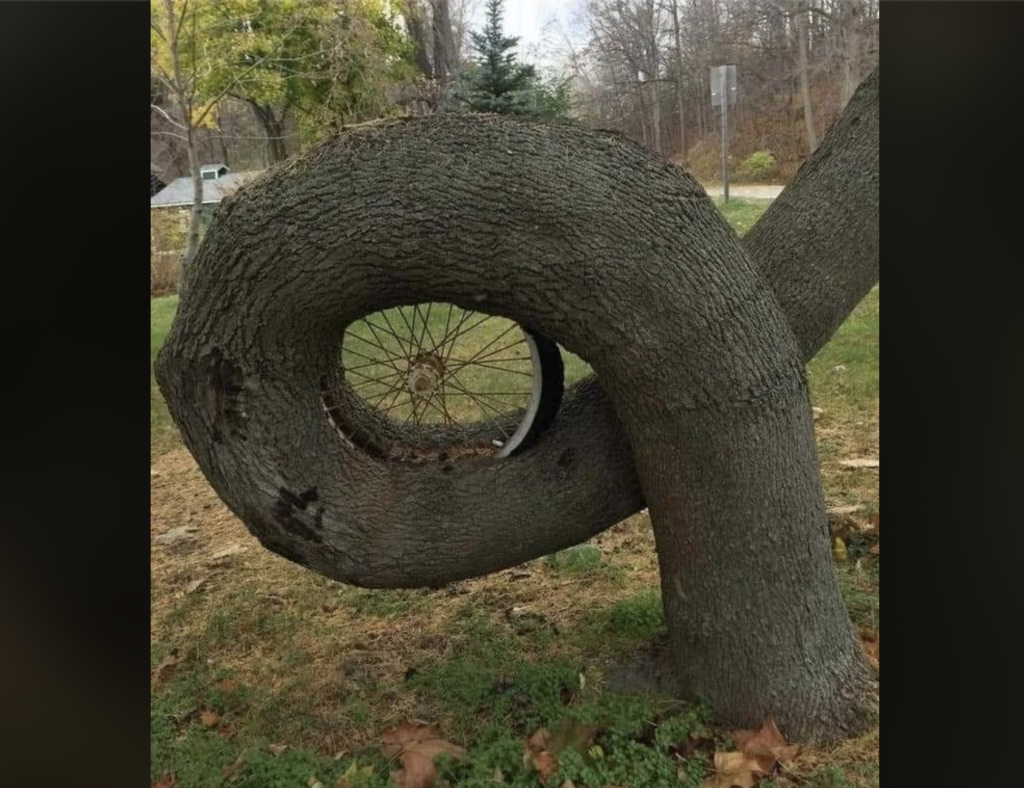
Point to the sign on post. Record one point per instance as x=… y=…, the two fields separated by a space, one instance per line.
x=723 y=93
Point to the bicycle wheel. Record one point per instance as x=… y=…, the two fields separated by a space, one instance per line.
x=452 y=382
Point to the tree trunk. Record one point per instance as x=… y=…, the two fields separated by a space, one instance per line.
x=805 y=88
x=818 y=241
x=680 y=102
x=273 y=129
x=656 y=116
x=195 y=213
x=818 y=269
x=444 y=46
x=643 y=115
x=623 y=261
x=850 y=21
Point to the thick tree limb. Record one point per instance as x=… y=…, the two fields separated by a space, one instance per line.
x=426 y=526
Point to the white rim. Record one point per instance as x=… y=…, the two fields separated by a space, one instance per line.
x=531 y=411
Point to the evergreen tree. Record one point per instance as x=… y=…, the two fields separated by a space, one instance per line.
x=498 y=83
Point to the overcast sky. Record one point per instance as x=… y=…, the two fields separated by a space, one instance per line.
x=530 y=19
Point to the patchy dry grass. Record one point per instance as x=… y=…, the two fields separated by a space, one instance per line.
x=251 y=652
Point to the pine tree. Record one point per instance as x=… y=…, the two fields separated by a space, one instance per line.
x=498 y=83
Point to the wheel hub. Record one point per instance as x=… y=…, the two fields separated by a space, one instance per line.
x=425 y=375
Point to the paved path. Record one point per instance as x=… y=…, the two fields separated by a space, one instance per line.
x=752 y=191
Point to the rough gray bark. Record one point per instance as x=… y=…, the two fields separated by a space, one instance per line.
x=818 y=241
x=621 y=258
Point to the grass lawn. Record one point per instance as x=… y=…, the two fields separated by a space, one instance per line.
x=265 y=674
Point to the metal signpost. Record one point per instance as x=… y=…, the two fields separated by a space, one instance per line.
x=723 y=83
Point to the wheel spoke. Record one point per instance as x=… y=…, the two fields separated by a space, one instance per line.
x=503 y=333
x=482 y=406
x=461 y=367
x=408 y=353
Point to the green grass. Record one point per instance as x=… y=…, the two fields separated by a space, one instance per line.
x=742 y=213
x=163 y=435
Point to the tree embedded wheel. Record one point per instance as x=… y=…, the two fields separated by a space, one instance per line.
x=435 y=381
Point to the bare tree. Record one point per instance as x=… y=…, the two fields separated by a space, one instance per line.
x=800 y=12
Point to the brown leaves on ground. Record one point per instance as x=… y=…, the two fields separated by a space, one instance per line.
x=869 y=643
x=544 y=746
x=760 y=752
x=417 y=747
x=166 y=782
x=209 y=718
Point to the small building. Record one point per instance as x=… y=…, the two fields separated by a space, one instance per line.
x=218 y=182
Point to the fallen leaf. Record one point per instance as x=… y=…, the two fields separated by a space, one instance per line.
x=277 y=749
x=520 y=574
x=873 y=519
x=817 y=413
x=734 y=770
x=166 y=782
x=497 y=777
x=769 y=747
x=227 y=686
x=870 y=647
x=538 y=742
x=839 y=549
x=417 y=745
x=229 y=771
x=183 y=533
x=546 y=764
x=759 y=753
x=873 y=549
x=844 y=510
x=568 y=784
x=313 y=782
x=394 y=739
x=165 y=664
x=859 y=463
x=208 y=718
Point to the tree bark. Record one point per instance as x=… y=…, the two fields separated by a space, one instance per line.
x=818 y=242
x=623 y=260
x=809 y=266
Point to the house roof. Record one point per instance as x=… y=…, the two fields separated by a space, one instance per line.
x=179 y=191
x=216 y=167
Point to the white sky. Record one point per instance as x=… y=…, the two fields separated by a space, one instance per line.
x=534 y=21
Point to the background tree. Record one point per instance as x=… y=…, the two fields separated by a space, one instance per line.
x=498 y=82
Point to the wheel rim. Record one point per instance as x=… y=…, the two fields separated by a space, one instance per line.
x=436 y=366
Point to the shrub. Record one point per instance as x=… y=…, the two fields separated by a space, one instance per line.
x=758 y=166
